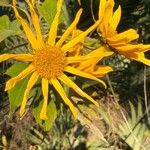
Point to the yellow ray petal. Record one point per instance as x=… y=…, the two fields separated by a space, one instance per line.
x=88 y=65
x=83 y=74
x=76 y=50
x=79 y=38
x=100 y=53
x=31 y=82
x=123 y=37
x=141 y=58
x=69 y=29
x=26 y=28
x=20 y=57
x=133 y=48
x=33 y=2
x=116 y=18
x=76 y=32
x=76 y=59
x=79 y=1
x=83 y=58
x=102 y=6
x=108 y=15
x=93 y=58
x=60 y=90
x=101 y=71
x=71 y=84
x=11 y=83
x=43 y=113
x=35 y=21
x=54 y=25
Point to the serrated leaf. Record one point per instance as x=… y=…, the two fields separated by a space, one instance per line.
x=16 y=93
x=133 y=115
x=140 y=138
x=47 y=10
x=51 y=114
x=8 y=28
x=132 y=139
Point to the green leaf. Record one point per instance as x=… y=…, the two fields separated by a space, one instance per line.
x=51 y=114
x=47 y=10
x=8 y=28
x=17 y=92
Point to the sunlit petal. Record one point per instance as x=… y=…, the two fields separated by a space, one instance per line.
x=116 y=18
x=19 y=57
x=134 y=48
x=83 y=74
x=43 y=113
x=60 y=90
x=31 y=82
x=102 y=6
x=81 y=58
x=71 y=84
x=76 y=59
x=11 y=83
x=123 y=37
x=69 y=29
x=76 y=50
x=33 y=2
x=26 y=28
x=35 y=21
x=100 y=71
x=108 y=15
x=100 y=53
x=118 y=42
x=79 y=38
x=54 y=25
x=139 y=57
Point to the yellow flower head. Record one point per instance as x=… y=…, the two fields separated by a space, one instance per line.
x=49 y=60
x=120 y=42
x=91 y=64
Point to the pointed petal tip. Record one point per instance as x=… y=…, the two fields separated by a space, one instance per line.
x=81 y=10
x=96 y=104
x=75 y=115
x=14 y=3
x=102 y=82
x=8 y=86
x=43 y=117
x=21 y=112
x=6 y=89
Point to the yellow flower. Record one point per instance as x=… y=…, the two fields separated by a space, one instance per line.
x=49 y=61
x=119 y=42
x=90 y=65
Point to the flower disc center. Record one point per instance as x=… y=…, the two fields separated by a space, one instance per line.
x=49 y=62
